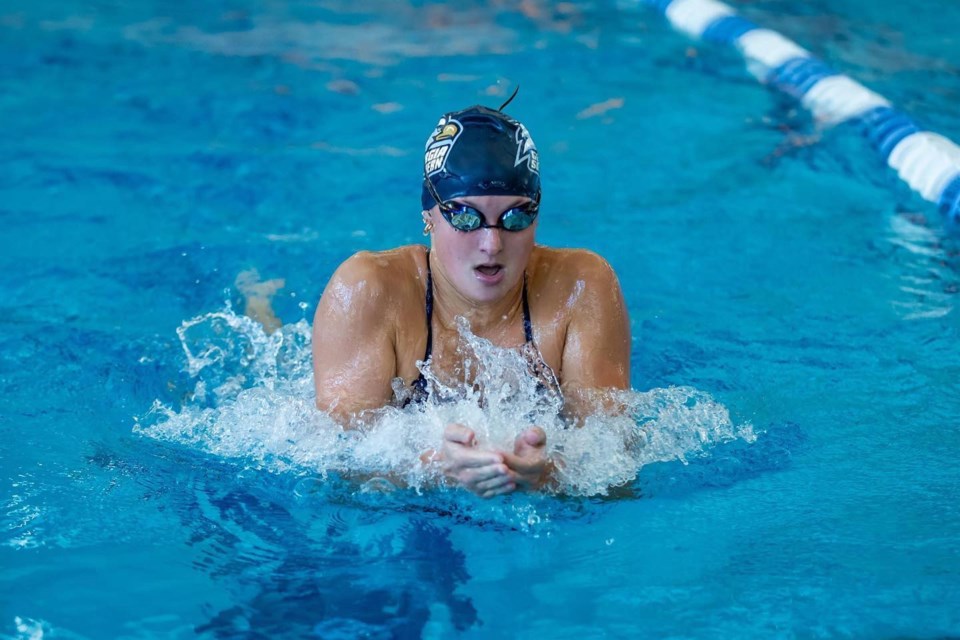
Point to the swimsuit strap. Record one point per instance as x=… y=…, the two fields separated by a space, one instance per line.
x=420 y=384
x=429 y=308
x=527 y=324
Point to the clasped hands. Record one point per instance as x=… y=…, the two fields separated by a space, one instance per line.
x=491 y=473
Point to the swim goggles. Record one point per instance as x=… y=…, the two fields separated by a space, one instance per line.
x=466 y=218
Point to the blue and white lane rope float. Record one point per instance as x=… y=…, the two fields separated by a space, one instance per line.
x=926 y=161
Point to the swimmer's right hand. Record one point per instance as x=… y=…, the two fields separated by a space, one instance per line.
x=482 y=472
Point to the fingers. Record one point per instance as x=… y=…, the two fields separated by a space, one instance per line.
x=470 y=474
x=502 y=483
x=492 y=473
x=459 y=434
x=523 y=464
x=495 y=482
x=491 y=481
x=529 y=471
x=530 y=441
x=460 y=457
x=534 y=436
x=466 y=465
x=486 y=459
x=485 y=481
x=473 y=477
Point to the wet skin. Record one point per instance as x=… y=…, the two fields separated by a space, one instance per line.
x=370 y=327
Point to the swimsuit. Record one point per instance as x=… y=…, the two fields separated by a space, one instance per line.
x=419 y=388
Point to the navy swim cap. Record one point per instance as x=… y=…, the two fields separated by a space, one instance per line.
x=479 y=152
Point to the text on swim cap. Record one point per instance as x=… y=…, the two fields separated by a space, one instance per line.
x=434 y=158
x=439 y=143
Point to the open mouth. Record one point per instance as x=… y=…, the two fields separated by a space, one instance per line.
x=489 y=270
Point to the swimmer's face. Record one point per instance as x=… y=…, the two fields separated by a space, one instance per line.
x=485 y=264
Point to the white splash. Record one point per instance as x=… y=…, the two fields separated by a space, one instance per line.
x=253 y=401
x=30 y=629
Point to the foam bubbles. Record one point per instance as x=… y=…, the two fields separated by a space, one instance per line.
x=30 y=629
x=253 y=402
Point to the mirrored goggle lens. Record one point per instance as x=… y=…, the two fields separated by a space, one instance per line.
x=464 y=218
x=518 y=219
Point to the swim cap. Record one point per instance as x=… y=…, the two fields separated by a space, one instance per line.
x=480 y=152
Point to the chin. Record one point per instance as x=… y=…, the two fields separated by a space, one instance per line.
x=489 y=291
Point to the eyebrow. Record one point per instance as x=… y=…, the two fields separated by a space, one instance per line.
x=467 y=200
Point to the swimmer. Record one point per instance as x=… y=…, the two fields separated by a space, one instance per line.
x=382 y=312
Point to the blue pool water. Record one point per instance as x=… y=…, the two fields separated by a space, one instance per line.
x=150 y=152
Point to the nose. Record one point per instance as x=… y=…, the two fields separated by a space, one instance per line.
x=490 y=241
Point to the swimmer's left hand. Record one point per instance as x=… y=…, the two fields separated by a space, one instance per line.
x=529 y=465
x=478 y=470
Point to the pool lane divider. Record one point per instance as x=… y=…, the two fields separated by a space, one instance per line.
x=927 y=161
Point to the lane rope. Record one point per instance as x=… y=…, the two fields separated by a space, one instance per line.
x=927 y=161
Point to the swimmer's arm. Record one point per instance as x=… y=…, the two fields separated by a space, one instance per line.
x=596 y=353
x=354 y=358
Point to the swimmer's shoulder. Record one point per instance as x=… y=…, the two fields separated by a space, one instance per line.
x=406 y=260
x=566 y=269
x=378 y=279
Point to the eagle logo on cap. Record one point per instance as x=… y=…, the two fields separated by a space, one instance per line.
x=448 y=131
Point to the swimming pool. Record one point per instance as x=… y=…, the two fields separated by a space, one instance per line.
x=151 y=153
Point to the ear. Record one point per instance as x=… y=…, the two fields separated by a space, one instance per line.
x=427 y=223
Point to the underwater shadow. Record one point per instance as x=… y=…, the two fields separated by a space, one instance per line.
x=353 y=591
x=316 y=568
